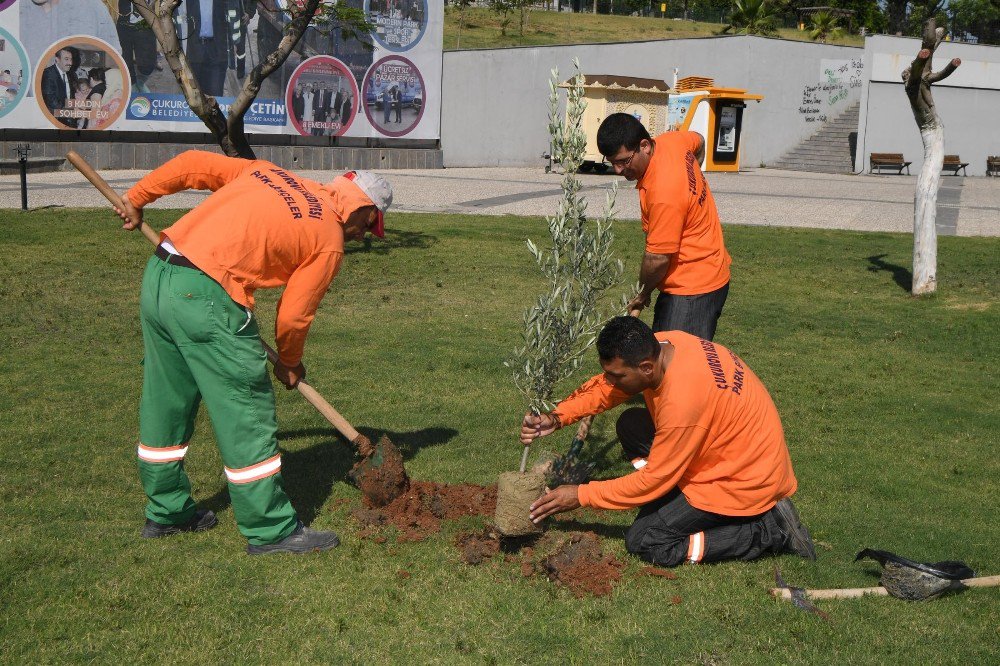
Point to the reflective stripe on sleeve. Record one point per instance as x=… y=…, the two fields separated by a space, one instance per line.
x=639 y=463
x=263 y=469
x=162 y=455
x=696 y=547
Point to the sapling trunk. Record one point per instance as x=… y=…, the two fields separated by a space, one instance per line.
x=579 y=267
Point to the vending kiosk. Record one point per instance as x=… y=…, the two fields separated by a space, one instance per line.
x=646 y=99
x=716 y=113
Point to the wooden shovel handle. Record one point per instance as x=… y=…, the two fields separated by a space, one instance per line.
x=102 y=186
x=853 y=593
x=307 y=391
x=317 y=401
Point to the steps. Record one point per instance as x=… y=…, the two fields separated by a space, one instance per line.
x=829 y=150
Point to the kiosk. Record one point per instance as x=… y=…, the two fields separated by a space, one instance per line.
x=646 y=99
x=715 y=113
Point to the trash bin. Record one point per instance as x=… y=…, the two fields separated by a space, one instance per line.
x=716 y=113
x=646 y=99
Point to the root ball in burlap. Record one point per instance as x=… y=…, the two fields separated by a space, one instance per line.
x=515 y=493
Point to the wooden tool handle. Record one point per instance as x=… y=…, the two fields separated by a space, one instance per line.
x=307 y=391
x=317 y=401
x=102 y=186
x=853 y=593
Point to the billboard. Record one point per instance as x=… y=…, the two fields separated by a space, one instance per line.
x=95 y=65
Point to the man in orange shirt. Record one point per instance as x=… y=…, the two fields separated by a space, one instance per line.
x=265 y=227
x=713 y=475
x=685 y=258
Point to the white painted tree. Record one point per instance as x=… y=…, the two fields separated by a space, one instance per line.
x=917 y=81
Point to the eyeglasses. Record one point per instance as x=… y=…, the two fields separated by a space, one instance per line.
x=623 y=163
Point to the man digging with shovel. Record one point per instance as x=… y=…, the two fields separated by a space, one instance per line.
x=265 y=227
x=712 y=472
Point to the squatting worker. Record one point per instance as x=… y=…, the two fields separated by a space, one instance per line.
x=685 y=258
x=262 y=226
x=712 y=472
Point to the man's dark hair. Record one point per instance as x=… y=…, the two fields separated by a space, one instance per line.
x=629 y=339
x=620 y=130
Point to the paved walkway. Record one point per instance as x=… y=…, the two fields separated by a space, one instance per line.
x=768 y=197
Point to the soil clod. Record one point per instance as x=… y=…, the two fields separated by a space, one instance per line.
x=379 y=474
x=477 y=547
x=582 y=566
x=516 y=492
x=574 y=560
x=418 y=512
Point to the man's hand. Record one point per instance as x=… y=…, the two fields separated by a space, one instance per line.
x=129 y=213
x=290 y=377
x=639 y=303
x=563 y=498
x=538 y=425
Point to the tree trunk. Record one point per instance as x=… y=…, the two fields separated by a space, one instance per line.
x=925 y=212
x=917 y=80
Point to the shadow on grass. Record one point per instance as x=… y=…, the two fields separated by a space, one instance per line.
x=394 y=240
x=900 y=275
x=309 y=474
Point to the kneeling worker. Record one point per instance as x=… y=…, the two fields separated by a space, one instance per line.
x=713 y=474
x=261 y=227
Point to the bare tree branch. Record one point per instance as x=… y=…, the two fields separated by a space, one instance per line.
x=946 y=72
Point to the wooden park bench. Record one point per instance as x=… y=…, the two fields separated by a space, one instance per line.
x=993 y=165
x=895 y=161
x=953 y=163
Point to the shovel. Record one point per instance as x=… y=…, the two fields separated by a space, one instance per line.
x=379 y=474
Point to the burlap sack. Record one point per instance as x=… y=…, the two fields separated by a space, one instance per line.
x=515 y=493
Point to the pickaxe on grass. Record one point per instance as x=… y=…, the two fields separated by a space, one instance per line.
x=789 y=593
x=364 y=446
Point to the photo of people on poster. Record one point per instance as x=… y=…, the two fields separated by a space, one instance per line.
x=394 y=96
x=83 y=85
x=322 y=97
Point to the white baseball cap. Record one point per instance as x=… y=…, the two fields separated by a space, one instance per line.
x=378 y=190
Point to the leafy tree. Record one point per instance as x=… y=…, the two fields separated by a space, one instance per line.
x=753 y=17
x=462 y=6
x=975 y=18
x=503 y=9
x=229 y=131
x=824 y=26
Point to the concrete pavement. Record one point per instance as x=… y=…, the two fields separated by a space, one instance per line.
x=767 y=197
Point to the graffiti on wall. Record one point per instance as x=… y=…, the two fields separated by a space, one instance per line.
x=839 y=82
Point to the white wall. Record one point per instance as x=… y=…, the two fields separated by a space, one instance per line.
x=968 y=103
x=495 y=101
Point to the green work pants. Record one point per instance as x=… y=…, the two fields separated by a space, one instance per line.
x=202 y=345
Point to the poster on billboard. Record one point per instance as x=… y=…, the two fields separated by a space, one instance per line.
x=96 y=65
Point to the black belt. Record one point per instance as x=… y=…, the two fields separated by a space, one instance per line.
x=175 y=259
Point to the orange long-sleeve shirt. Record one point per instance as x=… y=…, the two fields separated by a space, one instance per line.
x=261 y=227
x=718 y=435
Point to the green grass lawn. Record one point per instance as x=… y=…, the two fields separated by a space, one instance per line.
x=481 y=29
x=889 y=405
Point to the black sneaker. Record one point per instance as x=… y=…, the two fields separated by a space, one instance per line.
x=202 y=521
x=302 y=540
x=799 y=541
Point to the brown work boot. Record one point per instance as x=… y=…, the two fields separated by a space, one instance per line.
x=797 y=535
